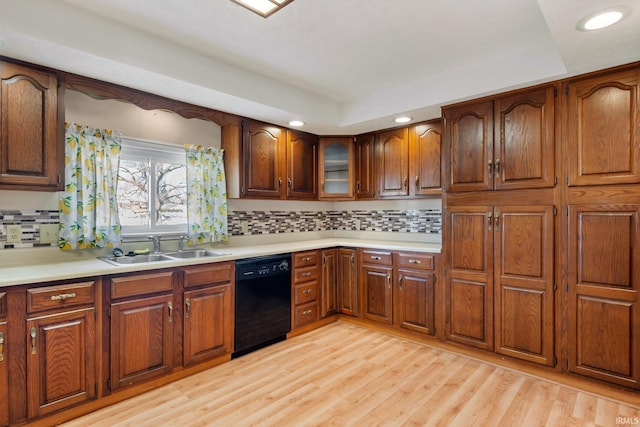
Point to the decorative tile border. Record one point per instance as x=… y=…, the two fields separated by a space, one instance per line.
x=273 y=222
x=30 y=222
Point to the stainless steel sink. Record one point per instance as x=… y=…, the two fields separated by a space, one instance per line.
x=194 y=253
x=137 y=259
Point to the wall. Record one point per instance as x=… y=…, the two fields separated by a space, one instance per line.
x=416 y=220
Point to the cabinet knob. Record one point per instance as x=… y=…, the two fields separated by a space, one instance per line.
x=1 y=346
x=306 y=291
x=414 y=261
x=497 y=167
x=170 y=305
x=307 y=274
x=63 y=297
x=490 y=168
x=377 y=258
x=32 y=332
x=187 y=303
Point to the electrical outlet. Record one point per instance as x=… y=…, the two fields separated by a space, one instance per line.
x=245 y=227
x=14 y=233
x=49 y=233
x=318 y=224
x=357 y=224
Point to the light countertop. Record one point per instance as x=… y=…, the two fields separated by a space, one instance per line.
x=50 y=266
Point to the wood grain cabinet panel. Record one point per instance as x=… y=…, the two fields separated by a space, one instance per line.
x=415 y=308
x=208 y=323
x=393 y=163
x=4 y=375
x=603 y=129
x=141 y=340
x=347 y=282
x=604 y=319
x=264 y=160
x=336 y=168
x=302 y=161
x=376 y=286
x=31 y=146
x=61 y=368
x=329 y=295
x=424 y=158
x=365 y=166
x=305 y=282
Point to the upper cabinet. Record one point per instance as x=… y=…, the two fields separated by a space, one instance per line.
x=31 y=130
x=276 y=163
x=501 y=144
x=409 y=160
x=336 y=168
x=365 y=152
x=603 y=129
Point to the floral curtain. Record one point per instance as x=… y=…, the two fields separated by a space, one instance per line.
x=206 y=195
x=88 y=205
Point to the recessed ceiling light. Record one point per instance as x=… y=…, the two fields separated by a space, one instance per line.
x=263 y=8
x=296 y=123
x=402 y=119
x=603 y=18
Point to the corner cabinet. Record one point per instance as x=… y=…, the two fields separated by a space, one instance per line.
x=376 y=271
x=336 y=168
x=365 y=166
x=31 y=129
x=208 y=311
x=501 y=144
x=278 y=163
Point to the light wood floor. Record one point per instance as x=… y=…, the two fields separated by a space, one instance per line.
x=347 y=375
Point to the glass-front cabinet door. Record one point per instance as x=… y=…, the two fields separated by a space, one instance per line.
x=336 y=168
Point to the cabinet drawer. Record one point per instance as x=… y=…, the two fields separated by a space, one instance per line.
x=305 y=314
x=301 y=275
x=416 y=260
x=305 y=259
x=376 y=257
x=305 y=293
x=60 y=296
x=210 y=273
x=141 y=284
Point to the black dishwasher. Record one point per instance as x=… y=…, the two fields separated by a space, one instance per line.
x=263 y=302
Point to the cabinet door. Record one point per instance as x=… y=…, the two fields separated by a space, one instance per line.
x=347 y=280
x=393 y=163
x=424 y=166
x=208 y=323
x=604 y=321
x=4 y=376
x=415 y=300
x=263 y=153
x=30 y=150
x=524 y=140
x=524 y=303
x=336 y=168
x=603 y=129
x=302 y=158
x=365 y=166
x=468 y=142
x=141 y=340
x=469 y=309
x=377 y=303
x=328 y=300
x=61 y=361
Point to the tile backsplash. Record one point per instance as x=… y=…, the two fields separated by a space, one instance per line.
x=30 y=222
x=243 y=223
x=272 y=222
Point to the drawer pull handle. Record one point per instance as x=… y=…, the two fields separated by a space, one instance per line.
x=170 y=305
x=306 y=259
x=306 y=312
x=306 y=291
x=187 y=302
x=376 y=257
x=414 y=261
x=307 y=274
x=1 y=346
x=33 y=340
x=63 y=297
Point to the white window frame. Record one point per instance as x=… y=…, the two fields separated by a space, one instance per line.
x=154 y=152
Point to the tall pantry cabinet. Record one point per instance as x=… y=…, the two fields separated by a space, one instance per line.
x=499 y=171
x=603 y=220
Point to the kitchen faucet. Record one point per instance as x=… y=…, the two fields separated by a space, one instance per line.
x=156 y=243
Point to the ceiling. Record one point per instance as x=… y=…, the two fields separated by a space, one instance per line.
x=341 y=66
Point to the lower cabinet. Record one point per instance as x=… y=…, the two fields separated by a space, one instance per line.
x=347 y=282
x=141 y=327
x=208 y=312
x=376 y=285
x=330 y=278
x=416 y=278
x=61 y=347
x=4 y=376
x=604 y=317
x=305 y=275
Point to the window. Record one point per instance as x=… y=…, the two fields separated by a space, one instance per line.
x=152 y=187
